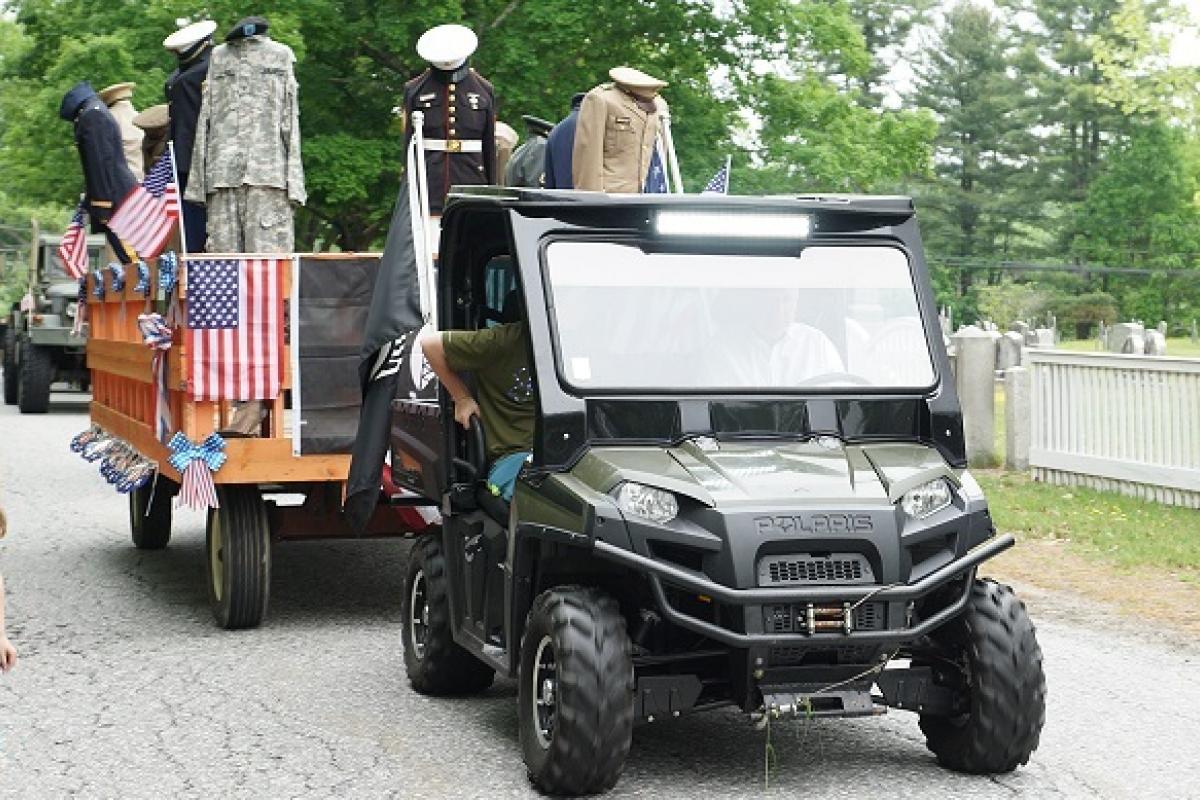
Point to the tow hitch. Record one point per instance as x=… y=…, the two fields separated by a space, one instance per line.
x=800 y=702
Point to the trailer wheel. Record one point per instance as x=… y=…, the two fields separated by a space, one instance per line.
x=10 y=366
x=999 y=673
x=576 y=691
x=35 y=374
x=239 y=557
x=150 y=514
x=435 y=663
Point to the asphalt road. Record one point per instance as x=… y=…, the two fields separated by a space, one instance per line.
x=126 y=689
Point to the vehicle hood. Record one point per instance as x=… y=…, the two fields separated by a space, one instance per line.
x=818 y=472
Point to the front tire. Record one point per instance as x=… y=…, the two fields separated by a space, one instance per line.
x=35 y=375
x=576 y=692
x=10 y=366
x=238 y=546
x=150 y=514
x=1000 y=673
x=435 y=663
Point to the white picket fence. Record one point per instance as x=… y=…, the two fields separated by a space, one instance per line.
x=1117 y=422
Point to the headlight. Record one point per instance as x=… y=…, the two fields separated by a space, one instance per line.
x=647 y=502
x=926 y=499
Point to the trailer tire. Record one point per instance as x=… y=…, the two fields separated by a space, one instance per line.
x=35 y=375
x=1005 y=687
x=10 y=366
x=436 y=664
x=238 y=549
x=150 y=514
x=576 y=692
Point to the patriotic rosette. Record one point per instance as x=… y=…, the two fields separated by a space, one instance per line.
x=197 y=463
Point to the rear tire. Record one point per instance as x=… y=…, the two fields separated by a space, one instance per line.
x=35 y=374
x=435 y=663
x=150 y=514
x=1004 y=686
x=10 y=366
x=238 y=546
x=576 y=692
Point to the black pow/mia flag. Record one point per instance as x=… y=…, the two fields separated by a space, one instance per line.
x=386 y=367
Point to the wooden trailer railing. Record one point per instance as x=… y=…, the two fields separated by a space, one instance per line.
x=123 y=390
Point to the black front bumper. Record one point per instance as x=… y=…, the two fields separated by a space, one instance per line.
x=660 y=572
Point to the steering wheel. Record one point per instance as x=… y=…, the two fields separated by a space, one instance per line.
x=830 y=377
x=475 y=464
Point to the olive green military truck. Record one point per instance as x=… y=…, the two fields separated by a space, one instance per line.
x=40 y=347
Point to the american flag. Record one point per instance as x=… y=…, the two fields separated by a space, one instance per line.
x=73 y=250
x=719 y=184
x=656 y=177
x=147 y=215
x=235 y=328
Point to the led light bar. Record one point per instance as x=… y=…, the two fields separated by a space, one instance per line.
x=733 y=224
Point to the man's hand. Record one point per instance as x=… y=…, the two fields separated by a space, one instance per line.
x=8 y=654
x=464 y=409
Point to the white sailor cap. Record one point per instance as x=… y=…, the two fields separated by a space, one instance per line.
x=447 y=46
x=190 y=35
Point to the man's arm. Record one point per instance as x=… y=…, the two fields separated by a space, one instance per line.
x=464 y=404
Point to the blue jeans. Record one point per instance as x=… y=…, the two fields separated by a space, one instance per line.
x=502 y=477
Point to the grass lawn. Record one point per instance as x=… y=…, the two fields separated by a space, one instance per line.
x=1181 y=346
x=1117 y=529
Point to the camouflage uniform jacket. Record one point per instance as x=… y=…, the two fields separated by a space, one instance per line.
x=248 y=133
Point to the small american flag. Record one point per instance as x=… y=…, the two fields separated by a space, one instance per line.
x=148 y=214
x=73 y=250
x=719 y=184
x=235 y=328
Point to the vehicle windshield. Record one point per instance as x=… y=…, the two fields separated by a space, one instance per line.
x=831 y=317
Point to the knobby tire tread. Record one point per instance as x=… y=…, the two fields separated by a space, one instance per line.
x=594 y=724
x=1007 y=707
x=447 y=668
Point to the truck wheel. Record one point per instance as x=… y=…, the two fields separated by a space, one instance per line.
x=10 y=366
x=1001 y=677
x=35 y=374
x=150 y=514
x=435 y=663
x=238 y=546
x=576 y=691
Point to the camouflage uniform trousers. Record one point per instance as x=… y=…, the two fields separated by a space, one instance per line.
x=250 y=219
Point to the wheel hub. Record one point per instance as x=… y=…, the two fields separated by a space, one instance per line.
x=217 y=554
x=418 y=605
x=545 y=692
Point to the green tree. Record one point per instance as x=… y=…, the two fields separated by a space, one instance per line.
x=973 y=207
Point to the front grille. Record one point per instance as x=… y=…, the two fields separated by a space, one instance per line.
x=834 y=568
x=793 y=618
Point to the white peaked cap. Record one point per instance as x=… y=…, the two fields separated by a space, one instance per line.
x=447 y=44
x=628 y=76
x=186 y=37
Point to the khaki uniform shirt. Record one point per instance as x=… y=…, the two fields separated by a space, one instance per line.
x=131 y=135
x=614 y=141
x=248 y=133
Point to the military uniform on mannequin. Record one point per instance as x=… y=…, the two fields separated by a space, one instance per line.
x=192 y=45
x=460 y=114
x=506 y=142
x=246 y=165
x=560 y=143
x=117 y=98
x=615 y=136
x=155 y=123
x=105 y=173
x=528 y=165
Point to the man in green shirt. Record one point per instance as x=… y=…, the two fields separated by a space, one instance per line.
x=499 y=357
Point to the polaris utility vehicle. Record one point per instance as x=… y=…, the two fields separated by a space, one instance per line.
x=748 y=483
x=39 y=345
